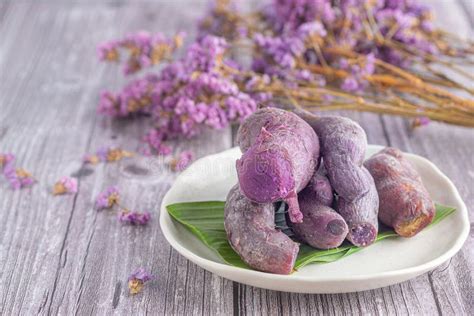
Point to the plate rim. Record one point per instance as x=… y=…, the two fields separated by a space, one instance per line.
x=416 y=270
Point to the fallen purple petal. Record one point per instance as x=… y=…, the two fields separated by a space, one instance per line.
x=134 y=217
x=137 y=279
x=108 y=198
x=65 y=185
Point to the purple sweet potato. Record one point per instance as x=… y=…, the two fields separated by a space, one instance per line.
x=343 y=145
x=405 y=204
x=361 y=214
x=251 y=232
x=321 y=189
x=322 y=226
x=280 y=155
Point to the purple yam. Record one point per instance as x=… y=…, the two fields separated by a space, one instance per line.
x=280 y=155
x=361 y=215
x=322 y=189
x=343 y=144
x=322 y=226
x=251 y=232
x=405 y=204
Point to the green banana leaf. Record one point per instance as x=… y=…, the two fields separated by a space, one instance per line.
x=206 y=221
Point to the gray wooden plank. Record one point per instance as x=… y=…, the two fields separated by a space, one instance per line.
x=468 y=8
x=74 y=259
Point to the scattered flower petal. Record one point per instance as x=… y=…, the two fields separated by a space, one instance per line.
x=108 y=198
x=134 y=217
x=65 y=185
x=183 y=160
x=5 y=160
x=137 y=279
x=420 y=121
x=18 y=178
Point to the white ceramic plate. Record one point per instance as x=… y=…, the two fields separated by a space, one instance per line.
x=382 y=264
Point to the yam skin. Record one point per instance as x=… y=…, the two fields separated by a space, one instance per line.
x=361 y=214
x=322 y=226
x=343 y=145
x=251 y=232
x=280 y=155
x=405 y=204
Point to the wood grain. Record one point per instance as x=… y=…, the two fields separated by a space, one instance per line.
x=58 y=255
x=73 y=259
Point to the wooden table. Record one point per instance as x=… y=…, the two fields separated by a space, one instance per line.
x=60 y=256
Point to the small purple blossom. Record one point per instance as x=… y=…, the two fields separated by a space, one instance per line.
x=137 y=279
x=357 y=79
x=134 y=217
x=420 y=121
x=65 y=185
x=350 y=84
x=218 y=22
x=18 y=178
x=108 y=198
x=6 y=160
x=183 y=160
x=290 y=14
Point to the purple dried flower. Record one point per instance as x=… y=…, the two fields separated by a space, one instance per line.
x=290 y=14
x=144 y=50
x=420 y=121
x=6 y=160
x=65 y=185
x=108 y=198
x=134 y=217
x=405 y=22
x=137 y=279
x=18 y=178
x=311 y=29
x=350 y=84
x=183 y=160
x=108 y=51
x=221 y=19
x=195 y=91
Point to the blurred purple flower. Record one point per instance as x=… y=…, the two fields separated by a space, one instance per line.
x=134 y=217
x=65 y=185
x=190 y=93
x=6 y=160
x=18 y=178
x=182 y=161
x=108 y=198
x=137 y=279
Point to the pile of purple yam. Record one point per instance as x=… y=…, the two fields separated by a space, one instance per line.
x=316 y=165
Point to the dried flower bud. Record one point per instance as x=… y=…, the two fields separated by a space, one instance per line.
x=137 y=279
x=134 y=217
x=108 y=198
x=5 y=160
x=182 y=161
x=18 y=178
x=65 y=185
x=420 y=121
